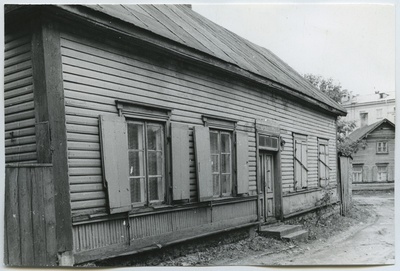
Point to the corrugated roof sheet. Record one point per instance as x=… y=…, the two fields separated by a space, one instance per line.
x=361 y=132
x=182 y=25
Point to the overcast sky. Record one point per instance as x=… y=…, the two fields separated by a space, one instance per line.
x=353 y=44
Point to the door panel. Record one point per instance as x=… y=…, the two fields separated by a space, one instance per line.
x=267 y=181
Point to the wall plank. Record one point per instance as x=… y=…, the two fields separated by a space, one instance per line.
x=18 y=99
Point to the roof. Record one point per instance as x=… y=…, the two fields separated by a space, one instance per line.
x=182 y=25
x=370 y=98
x=363 y=131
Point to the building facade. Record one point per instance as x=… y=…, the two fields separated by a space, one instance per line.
x=129 y=128
x=374 y=162
x=369 y=109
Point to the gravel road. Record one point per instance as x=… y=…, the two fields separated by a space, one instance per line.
x=367 y=243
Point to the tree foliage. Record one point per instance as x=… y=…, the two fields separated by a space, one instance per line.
x=345 y=146
x=327 y=86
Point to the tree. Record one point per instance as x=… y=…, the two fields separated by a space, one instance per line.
x=327 y=86
x=344 y=145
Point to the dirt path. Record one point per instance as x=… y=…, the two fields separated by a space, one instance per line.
x=363 y=244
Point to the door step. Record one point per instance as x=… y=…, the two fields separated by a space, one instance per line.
x=284 y=232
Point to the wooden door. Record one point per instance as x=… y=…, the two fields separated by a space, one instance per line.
x=267 y=182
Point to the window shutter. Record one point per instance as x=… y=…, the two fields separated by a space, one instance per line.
x=180 y=161
x=242 y=160
x=297 y=165
x=203 y=162
x=114 y=148
x=304 y=161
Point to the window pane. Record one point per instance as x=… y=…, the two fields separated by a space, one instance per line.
x=136 y=163
x=214 y=142
x=154 y=188
x=155 y=161
x=135 y=136
x=154 y=137
x=225 y=163
x=216 y=185
x=225 y=143
x=226 y=184
x=215 y=163
x=137 y=190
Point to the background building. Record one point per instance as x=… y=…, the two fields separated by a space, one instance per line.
x=371 y=108
x=373 y=163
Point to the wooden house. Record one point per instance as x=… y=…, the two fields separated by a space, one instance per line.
x=129 y=128
x=374 y=162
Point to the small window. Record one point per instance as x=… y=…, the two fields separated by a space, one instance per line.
x=323 y=162
x=221 y=162
x=357 y=173
x=382 y=173
x=379 y=114
x=300 y=162
x=268 y=142
x=146 y=162
x=364 y=119
x=382 y=147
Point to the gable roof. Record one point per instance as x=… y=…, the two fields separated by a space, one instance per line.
x=363 y=131
x=185 y=27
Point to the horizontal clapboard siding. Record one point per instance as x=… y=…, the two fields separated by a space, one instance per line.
x=20 y=140
x=95 y=75
x=164 y=226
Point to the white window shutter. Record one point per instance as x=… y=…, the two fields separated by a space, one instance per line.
x=242 y=161
x=114 y=149
x=203 y=162
x=180 y=161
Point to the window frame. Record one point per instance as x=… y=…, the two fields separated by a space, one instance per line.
x=146 y=183
x=303 y=139
x=359 y=173
x=384 y=148
x=378 y=172
x=144 y=112
x=224 y=125
x=231 y=164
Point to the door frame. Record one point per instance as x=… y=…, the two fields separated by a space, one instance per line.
x=276 y=161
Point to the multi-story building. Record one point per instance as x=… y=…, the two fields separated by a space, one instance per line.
x=371 y=108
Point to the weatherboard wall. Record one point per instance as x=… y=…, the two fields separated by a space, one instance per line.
x=368 y=157
x=96 y=73
x=19 y=110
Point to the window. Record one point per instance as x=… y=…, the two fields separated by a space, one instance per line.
x=382 y=173
x=266 y=142
x=364 y=119
x=323 y=162
x=300 y=162
x=136 y=157
x=357 y=173
x=379 y=113
x=221 y=162
x=146 y=162
x=222 y=157
x=382 y=147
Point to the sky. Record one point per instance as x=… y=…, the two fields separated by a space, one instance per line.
x=352 y=43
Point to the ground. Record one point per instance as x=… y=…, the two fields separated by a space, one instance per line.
x=365 y=236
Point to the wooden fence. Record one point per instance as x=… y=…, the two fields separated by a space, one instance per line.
x=345 y=171
x=30 y=234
